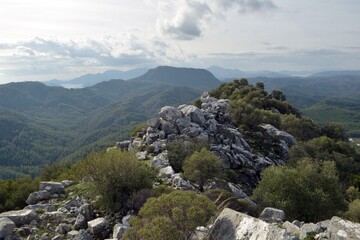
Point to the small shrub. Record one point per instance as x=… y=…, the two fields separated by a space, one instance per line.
x=202 y=166
x=171 y=216
x=353 y=213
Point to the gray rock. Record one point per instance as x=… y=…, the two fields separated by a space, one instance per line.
x=166 y=172
x=57 y=237
x=141 y=155
x=20 y=217
x=307 y=229
x=194 y=114
x=292 y=228
x=53 y=217
x=80 y=222
x=63 y=228
x=45 y=207
x=340 y=229
x=45 y=236
x=6 y=227
x=52 y=187
x=38 y=196
x=99 y=227
x=67 y=183
x=298 y=223
x=180 y=183
x=83 y=235
x=126 y=220
x=232 y=225
x=160 y=161
x=169 y=114
x=286 y=137
x=119 y=230
x=272 y=215
x=124 y=145
x=86 y=214
x=72 y=234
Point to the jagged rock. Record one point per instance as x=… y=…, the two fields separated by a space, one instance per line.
x=67 y=183
x=126 y=220
x=298 y=223
x=307 y=229
x=292 y=228
x=119 y=230
x=238 y=192
x=72 y=234
x=47 y=207
x=57 y=237
x=340 y=229
x=169 y=114
x=141 y=155
x=180 y=183
x=85 y=215
x=160 y=161
x=52 y=187
x=63 y=228
x=6 y=227
x=232 y=225
x=99 y=227
x=166 y=172
x=83 y=235
x=38 y=196
x=20 y=217
x=124 y=145
x=288 y=138
x=194 y=114
x=53 y=217
x=272 y=215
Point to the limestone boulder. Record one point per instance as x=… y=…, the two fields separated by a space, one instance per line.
x=52 y=187
x=272 y=215
x=341 y=229
x=38 y=196
x=233 y=225
x=170 y=114
x=99 y=227
x=20 y=217
x=6 y=227
x=194 y=114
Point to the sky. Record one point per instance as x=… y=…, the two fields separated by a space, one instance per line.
x=62 y=39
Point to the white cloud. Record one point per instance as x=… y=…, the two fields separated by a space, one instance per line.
x=187 y=19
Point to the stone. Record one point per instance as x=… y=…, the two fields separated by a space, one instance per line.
x=63 y=228
x=126 y=220
x=86 y=214
x=298 y=223
x=20 y=217
x=272 y=215
x=83 y=235
x=99 y=227
x=292 y=228
x=46 y=207
x=194 y=114
x=57 y=237
x=72 y=234
x=308 y=228
x=160 y=161
x=166 y=172
x=52 y=187
x=67 y=183
x=38 y=196
x=119 y=230
x=124 y=145
x=286 y=137
x=53 y=217
x=6 y=227
x=141 y=155
x=180 y=183
x=232 y=225
x=170 y=114
x=45 y=236
x=340 y=229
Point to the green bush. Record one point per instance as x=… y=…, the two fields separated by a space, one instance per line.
x=116 y=175
x=353 y=213
x=179 y=150
x=302 y=129
x=202 y=166
x=309 y=191
x=171 y=216
x=138 y=128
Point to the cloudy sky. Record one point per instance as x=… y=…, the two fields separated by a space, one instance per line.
x=46 y=39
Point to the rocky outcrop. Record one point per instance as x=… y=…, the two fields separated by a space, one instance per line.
x=36 y=197
x=232 y=225
x=212 y=124
x=20 y=217
x=6 y=227
x=52 y=187
x=340 y=229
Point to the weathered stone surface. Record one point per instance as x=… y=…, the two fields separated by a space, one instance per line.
x=20 y=217
x=272 y=215
x=286 y=137
x=141 y=155
x=232 y=225
x=67 y=183
x=86 y=214
x=194 y=114
x=52 y=187
x=340 y=229
x=46 y=207
x=292 y=228
x=166 y=172
x=38 y=196
x=307 y=229
x=83 y=235
x=169 y=114
x=180 y=183
x=160 y=161
x=6 y=227
x=54 y=217
x=119 y=230
x=124 y=145
x=63 y=228
x=99 y=227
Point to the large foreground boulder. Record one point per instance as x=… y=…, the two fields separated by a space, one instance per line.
x=233 y=225
x=20 y=217
x=99 y=227
x=6 y=227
